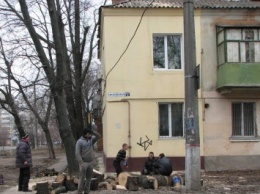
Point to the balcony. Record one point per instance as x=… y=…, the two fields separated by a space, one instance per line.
x=238 y=76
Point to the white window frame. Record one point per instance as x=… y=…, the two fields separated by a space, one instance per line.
x=166 y=68
x=242 y=120
x=170 y=120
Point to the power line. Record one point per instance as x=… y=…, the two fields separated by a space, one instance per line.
x=127 y=46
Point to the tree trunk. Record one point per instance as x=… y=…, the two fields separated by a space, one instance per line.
x=66 y=134
x=49 y=142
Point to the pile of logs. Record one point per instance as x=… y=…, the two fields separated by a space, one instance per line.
x=47 y=172
x=125 y=181
x=133 y=182
x=64 y=183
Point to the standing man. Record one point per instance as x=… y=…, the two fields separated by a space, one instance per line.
x=24 y=162
x=85 y=157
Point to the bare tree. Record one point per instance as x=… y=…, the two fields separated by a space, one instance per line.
x=63 y=42
x=9 y=101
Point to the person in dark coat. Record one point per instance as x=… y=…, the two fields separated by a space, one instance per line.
x=24 y=162
x=149 y=165
x=163 y=166
x=121 y=156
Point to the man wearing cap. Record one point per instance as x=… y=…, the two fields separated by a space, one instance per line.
x=85 y=157
x=24 y=162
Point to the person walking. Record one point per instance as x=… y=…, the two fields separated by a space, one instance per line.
x=121 y=156
x=24 y=162
x=85 y=158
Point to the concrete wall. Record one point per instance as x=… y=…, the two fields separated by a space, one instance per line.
x=221 y=153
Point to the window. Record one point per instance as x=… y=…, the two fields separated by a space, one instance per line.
x=171 y=119
x=243 y=119
x=167 y=51
x=238 y=45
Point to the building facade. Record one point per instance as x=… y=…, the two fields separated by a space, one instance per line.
x=142 y=59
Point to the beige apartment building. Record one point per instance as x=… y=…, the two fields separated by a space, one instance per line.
x=142 y=59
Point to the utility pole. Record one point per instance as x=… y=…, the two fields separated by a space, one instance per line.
x=192 y=159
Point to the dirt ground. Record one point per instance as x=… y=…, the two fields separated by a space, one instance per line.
x=40 y=158
x=224 y=182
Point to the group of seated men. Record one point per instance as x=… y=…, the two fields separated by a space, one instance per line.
x=155 y=166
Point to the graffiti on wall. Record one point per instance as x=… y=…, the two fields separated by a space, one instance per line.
x=145 y=144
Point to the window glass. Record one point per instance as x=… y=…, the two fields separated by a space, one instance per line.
x=177 y=119
x=233 y=34
x=174 y=51
x=167 y=51
x=249 y=34
x=257 y=51
x=164 y=120
x=232 y=52
x=236 y=113
x=248 y=112
x=171 y=120
x=243 y=119
x=221 y=37
x=221 y=53
x=158 y=52
x=250 y=52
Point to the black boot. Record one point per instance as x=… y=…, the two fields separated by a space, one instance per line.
x=25 y=189
x=20 y=188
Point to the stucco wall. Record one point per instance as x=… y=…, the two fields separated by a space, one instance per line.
x=135 y=74
x=220 y=152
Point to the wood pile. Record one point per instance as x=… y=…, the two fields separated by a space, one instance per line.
x=64 y=183
x=125 y=181
x=47 y=172
x=133 y=182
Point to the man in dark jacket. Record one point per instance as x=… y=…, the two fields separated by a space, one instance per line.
x=121 y=156
x=24 y=162
x=85 y=157
x=149 y=165
x=163 y=166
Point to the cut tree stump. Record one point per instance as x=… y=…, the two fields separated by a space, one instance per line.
x=42 y=188
x=60 y=178
x=154 y=180
x=59 y=190
x=120 y=187
x=122 y=178
x=149 y=183
x=94 y=184
x=132 y=183
x=162 y=180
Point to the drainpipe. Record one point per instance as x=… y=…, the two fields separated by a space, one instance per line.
x=129 y=126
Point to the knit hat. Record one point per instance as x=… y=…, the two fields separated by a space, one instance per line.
x=25 y=136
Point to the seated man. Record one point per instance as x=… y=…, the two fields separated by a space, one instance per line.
x=163 y=166
x=149 y=165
